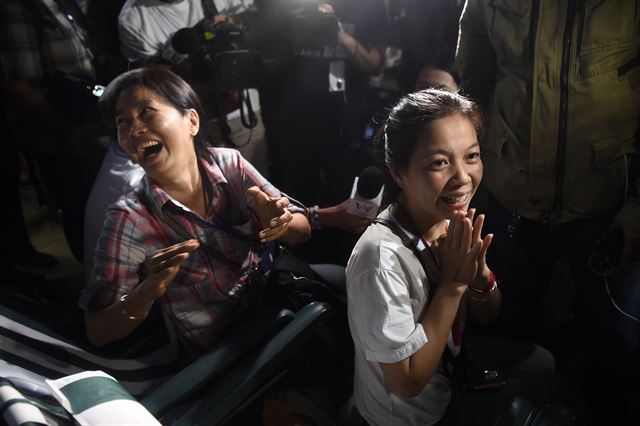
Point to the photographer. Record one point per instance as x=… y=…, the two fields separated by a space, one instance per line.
x=167 y=31
x=314 y=99
x=146 y=27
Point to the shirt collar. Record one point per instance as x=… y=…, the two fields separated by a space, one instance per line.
x=160 y=197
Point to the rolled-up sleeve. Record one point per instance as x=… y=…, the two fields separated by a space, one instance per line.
x=119 y=254
x=381 y=314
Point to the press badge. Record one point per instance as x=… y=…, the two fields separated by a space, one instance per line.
x=336 y=76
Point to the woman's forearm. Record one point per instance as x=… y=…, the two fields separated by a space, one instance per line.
x=484 y=309
x=298 y=230
x=117 y=321
x=409 y=377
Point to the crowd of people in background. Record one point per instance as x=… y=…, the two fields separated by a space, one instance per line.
x=508 y=131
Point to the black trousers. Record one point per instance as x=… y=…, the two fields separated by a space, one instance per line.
x=528 y=373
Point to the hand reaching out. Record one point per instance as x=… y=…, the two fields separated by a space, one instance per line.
x=338 y=216
x=273 y=214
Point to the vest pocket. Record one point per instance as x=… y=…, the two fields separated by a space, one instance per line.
x=605 y=37
x=605 y=151
x=606 y=25
x=510 y=22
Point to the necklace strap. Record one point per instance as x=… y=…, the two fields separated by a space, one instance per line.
x=182 y=232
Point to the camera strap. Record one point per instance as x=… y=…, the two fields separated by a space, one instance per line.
x=395 y=228
x=448 y=356
x=209 y=8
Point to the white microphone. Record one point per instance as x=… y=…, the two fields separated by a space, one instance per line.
x=366 y=194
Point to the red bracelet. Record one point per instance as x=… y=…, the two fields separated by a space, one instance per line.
x=493 y=281
x=491 y=285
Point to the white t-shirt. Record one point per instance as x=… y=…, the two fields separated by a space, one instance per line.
x=145 y=26
x=387 y=291
x=117 y=176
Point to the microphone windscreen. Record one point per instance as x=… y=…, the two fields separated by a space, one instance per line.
x=185 y=41
x=370 y=182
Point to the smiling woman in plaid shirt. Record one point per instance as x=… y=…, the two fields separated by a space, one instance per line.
x=185 y=238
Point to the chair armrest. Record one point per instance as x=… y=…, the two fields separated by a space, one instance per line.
x=254 y=372
x=187 y=382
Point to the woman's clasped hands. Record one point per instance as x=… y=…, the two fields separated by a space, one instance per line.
x=462 y=252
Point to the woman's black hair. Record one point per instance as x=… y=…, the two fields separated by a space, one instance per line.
x=170 y=87
x=398 y=137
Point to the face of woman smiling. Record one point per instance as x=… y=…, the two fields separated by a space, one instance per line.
x=153 y=132
x=444 y=171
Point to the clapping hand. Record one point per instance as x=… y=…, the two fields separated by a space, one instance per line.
x=162 y=268
x=273 y=214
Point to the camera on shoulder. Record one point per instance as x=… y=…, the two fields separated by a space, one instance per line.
x=217 y=56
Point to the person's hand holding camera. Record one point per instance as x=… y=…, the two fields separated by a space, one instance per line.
x=343 y=36
x=370 y=60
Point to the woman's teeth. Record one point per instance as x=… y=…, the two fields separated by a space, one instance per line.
x=455 y=200
x=150 y=148
x=146 y=145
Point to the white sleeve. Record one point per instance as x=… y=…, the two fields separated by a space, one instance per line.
x=134 y=43
x=381 y=315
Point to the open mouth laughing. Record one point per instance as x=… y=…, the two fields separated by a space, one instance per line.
x=149 y=149
x=462 y=199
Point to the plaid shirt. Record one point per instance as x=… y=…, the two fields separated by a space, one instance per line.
x=203 y=298
x=34 y=46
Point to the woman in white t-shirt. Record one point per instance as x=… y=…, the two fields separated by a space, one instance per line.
x=420 y=268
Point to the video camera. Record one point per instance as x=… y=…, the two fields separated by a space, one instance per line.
x=310 y=28
x=217 y=56
x=223 y=56
x=297 y=23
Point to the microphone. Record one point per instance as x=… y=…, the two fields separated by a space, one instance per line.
x=366 y=194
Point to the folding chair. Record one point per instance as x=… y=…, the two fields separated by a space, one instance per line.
x=232 y=373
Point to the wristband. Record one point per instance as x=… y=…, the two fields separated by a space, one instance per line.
x=313 y=217
x=126 y=312
x=491 y=285
x=486 y=293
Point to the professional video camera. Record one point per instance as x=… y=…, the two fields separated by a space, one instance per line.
x=311 y=28
x=217 y=56
x=225 y=57
x=295 y=24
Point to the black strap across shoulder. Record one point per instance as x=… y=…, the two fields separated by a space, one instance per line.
x=209 y=8
x=433 y=284
x=395 y=228
x=182 y=232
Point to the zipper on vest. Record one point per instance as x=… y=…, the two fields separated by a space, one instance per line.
x=533 y=29
x=564 y=103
